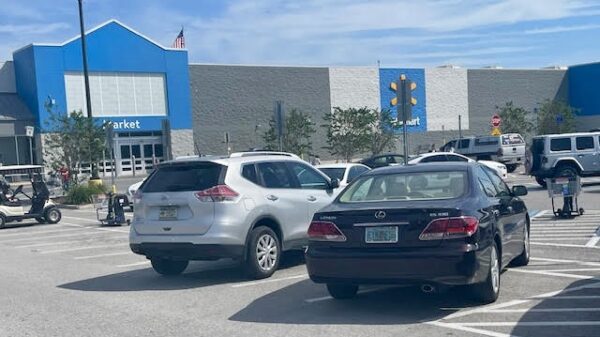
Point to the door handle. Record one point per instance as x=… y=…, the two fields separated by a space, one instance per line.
x=272 y=197
x=311 y=198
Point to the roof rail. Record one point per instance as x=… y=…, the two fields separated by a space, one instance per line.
x=261 y=153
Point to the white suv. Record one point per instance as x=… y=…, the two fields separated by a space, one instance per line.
x=248 y=206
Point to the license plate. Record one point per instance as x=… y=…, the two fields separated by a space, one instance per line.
x=383 y=234
x=167 y=213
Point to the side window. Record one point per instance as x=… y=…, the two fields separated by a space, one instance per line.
x=274 y=175
x=398 y=159
x=584 y=143
x=355 y=171
x=434 y=159
x=486 y=184
x=308 y=177
x=560 y=144
x=456 y=158
x=249 y=172
x=380 y=160
x=463 y=143
x=503 y=190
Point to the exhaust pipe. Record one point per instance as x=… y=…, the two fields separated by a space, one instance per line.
x=427 y=288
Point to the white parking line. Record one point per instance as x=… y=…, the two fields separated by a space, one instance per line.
x=10 y=235
x=47 y=244
x=542 y=239
x=82 y=248
x=102 y=255
x=538 y=214
x=571 y=270
x=586 y=263
x=562 y=245
x=484 y=308
x=583 y=297
x=528 y=310
x=553 y=294
x=51 y=237
x=134 y=264
x=557 y=231
x=543 y=272
x=557 y=323
x=469 y=329
x=248 y=284
x=594 y=240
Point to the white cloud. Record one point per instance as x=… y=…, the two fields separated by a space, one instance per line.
x=561 y=29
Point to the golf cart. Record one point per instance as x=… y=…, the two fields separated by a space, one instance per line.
x=42 y=208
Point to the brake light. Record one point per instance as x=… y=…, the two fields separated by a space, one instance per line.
x=451 y=228
x=325 y=231
x=218 y=193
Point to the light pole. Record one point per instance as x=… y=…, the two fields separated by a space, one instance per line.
x=85 y=65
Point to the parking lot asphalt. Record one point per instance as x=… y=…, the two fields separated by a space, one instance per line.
x=76 y=278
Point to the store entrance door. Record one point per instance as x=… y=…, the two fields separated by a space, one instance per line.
x=135 y=155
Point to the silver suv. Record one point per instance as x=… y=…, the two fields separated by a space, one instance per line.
x=248 y=206
x=564 y=155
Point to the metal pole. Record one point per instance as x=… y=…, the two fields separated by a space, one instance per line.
x=405 y=141
x=85 y=65
x=17 y=150
x=30 y=151
x=459 y=126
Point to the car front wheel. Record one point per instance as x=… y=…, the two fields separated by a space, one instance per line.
x=488 y=291
x=168 y=267
x=523 y=259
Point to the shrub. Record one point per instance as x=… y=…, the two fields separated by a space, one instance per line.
x=82 y=194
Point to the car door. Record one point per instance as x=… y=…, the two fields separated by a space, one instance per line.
x=314 y=187
x=500 y=211
x=285 y=204
x=515 y=214
x=587 y=153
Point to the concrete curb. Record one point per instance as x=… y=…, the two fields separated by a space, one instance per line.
x=84 y=206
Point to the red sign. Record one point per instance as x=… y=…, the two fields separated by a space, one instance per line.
x=496 y=121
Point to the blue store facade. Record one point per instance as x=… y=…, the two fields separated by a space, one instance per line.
x=135 y=83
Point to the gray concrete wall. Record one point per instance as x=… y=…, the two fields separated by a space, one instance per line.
x=7 y=77
x=240 y=100
x=489 y=88
x=182 y=142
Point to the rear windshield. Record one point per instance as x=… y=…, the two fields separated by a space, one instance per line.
x=407 y=186
x=514 y=139
x=334 y=172
x=183 y=178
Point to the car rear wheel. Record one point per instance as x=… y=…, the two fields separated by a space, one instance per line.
x=566 y=171
x=264 y=251
x=52 y=215
x=2 y=221
x=488 y=291
x=511 y=168
x=342 y=291
x=168 y=267
x=523 y=259
x=541 y=181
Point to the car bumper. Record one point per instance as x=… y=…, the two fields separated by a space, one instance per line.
x=187 y=251
x=426 y=266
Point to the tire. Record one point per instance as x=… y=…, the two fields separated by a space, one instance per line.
x=523 y=259
x=510 y=168
x=40 y=220
x=342 y=291
x=52 y=215
x=2 y=221
x=541 y=181
x=168 y=267
x=566 y=171
x=488 y=291
x=264 y=253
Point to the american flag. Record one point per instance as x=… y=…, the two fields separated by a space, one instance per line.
x=179 y=41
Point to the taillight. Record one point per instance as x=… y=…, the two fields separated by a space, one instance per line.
x=218 y=193
x=325 y=231
x=450 y=228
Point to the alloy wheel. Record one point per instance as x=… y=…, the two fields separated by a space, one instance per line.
x=266 y=252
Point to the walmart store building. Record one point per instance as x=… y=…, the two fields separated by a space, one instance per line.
x=161 y=105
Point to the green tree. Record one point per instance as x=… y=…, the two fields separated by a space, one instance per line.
x=383 y=128
x=297 y=133
x=349 y=131
x=73 y=139
x=555 y=116
x=515 y=119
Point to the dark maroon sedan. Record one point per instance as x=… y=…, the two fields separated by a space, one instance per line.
x=430 y=225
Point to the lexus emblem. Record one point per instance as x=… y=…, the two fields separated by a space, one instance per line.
x=380 y=215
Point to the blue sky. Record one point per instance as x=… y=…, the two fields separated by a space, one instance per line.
x=415 y=33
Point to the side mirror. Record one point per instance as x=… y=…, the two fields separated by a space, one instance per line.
x=519 y=190
x=334 y=183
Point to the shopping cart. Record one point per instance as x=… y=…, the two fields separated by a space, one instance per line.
x=569 y=189
x=109 y=209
